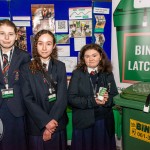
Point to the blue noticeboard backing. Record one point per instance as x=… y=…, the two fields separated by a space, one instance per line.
x=11 y=8
x=23 y=8
x=107 y=29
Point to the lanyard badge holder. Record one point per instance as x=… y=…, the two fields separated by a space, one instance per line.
x=7 y=92
x=52 y=87
x=52 y=95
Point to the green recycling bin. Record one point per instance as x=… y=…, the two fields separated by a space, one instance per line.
x=135 y=124
x=69 y=125
x=133 y=38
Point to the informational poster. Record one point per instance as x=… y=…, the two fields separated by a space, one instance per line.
x=80 y=28
x=132 y=44
x=80 y=13
x=63 y=50
x=100 y=23
x=70 y=63
x=114 y=53
x=102 y=15
x=43 y=17
x=99 y=39
x=79 y=43
x=61 y=26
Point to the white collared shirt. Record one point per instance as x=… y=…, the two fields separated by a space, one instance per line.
x=92 y=69
x=46 y=62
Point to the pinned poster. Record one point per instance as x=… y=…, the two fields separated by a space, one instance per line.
x=80 y=13
x=43 y=17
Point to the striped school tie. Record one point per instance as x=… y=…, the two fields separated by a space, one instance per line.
x=44 y=67
x=6 y=64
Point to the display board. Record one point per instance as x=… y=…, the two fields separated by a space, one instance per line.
x=72 y=22
x=102 y=25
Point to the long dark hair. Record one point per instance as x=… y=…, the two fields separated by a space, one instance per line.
x=36 y=64
x=104 y=64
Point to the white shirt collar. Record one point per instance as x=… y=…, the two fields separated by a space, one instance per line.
x=92 y=69
x=46 y=62
x=8 y=54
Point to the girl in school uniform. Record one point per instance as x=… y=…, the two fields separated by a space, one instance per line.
x=93 y=120
x=44 y=88
x=12 y=126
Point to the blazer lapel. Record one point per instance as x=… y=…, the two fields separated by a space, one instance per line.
x=40 y=79
x=13 y=61
x=52 y=70
x=13 y=66
x=88 y=83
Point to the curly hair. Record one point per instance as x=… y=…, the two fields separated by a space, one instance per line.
x=36 y=64
x=103 y=66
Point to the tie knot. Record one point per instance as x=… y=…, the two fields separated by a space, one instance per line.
x=44 y=66
x=92 y=72
x=5 y=56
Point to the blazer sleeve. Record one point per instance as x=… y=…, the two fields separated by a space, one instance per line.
x=60 y=105
x=27 y=58
x=39 y=116
x=74 y=96
x=25 y=55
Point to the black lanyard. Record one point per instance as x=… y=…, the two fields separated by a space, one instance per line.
x=45 y=78
x=96 y=83
x=49 y=80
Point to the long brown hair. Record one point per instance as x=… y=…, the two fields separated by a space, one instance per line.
x=8 y=23
x=104 y=64
x=36 y=64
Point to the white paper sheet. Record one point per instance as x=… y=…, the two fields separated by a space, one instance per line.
x=79 y=43
x=61 y=26
x=63 y=50
x=70 y=63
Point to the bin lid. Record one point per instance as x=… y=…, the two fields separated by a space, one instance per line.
x=128 y=103
x=138 y=91
x=125 y=11
x=126 y=6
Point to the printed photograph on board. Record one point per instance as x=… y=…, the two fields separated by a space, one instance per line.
x=99 y=39
x=62 y=38
x=80 y=28
x=21 y=41
x=100 y=23
x=43 y=17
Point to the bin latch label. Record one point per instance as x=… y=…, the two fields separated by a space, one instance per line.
x=140 y=130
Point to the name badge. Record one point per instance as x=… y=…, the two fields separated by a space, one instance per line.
x=52 y=97
x=7 y=93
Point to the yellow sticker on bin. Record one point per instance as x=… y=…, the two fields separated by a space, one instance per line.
x=140 y=130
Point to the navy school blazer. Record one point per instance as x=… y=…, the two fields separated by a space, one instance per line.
x=35 y=93
x=15 y=104
x=81 y=98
